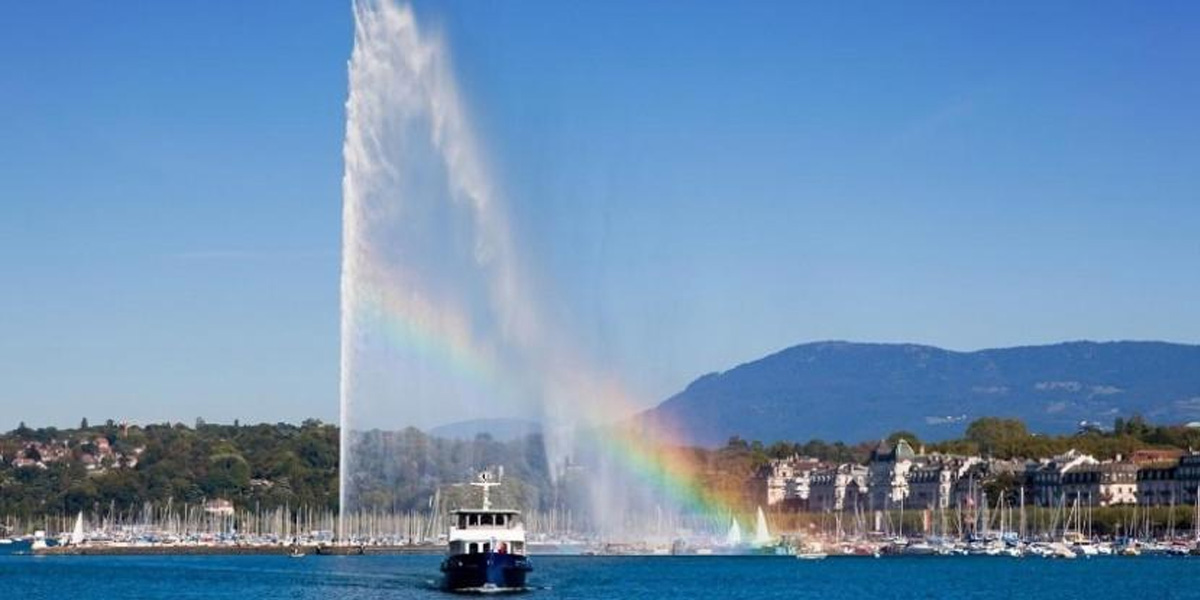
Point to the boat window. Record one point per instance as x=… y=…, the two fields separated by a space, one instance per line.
x=487 y=519
x=473 y=548
x=487 y=546
x=500 y=520
x=472 y=520
x=462 y=521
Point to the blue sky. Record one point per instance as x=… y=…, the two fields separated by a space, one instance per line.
x=697 y=183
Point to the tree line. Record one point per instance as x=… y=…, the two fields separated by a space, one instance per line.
x=269 y=466
x=1003 y=439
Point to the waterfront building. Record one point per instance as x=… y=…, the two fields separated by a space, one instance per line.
x=979 y=472
x=931 y=484
x=897 y=476
x=1167 y=484
x=787 y=481
x=1106 y=484
x=887 y=474
x=1045 y=477
x=841 y=487
x=1156 y=485
x=1150 y=456
x=1187 y=477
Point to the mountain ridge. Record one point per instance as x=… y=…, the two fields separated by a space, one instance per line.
x=853 y=391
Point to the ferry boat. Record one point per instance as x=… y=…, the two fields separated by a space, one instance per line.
x=486 y=548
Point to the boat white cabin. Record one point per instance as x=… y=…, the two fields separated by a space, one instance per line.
x=475 y=531
x=486 y=529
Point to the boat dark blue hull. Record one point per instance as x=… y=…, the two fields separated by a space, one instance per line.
x=485 y=571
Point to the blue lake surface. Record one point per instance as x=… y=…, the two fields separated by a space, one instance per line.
x=379 y=577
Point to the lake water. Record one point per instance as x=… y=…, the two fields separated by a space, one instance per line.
x=400 y=577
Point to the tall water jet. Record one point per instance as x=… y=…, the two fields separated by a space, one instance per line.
x=440 y=319
x=436 y=319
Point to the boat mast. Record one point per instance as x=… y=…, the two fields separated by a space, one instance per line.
x=485 y=483
x=1021 y=528
x=1196 y=517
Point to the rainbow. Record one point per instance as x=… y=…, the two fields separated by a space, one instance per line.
x=665 y=466
x=419 y=328
x=652 y=452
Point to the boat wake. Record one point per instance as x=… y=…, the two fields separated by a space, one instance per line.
x=491 y=589
x=487 y=589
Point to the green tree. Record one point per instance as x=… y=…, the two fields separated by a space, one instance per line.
x=228 y=476
x=1003 y=438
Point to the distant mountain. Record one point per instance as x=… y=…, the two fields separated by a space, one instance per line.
x=853 y=392
x=502 y=430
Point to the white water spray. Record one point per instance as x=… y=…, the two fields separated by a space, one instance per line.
x=434 y=300
x=440 y=319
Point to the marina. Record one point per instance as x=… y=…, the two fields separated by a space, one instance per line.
x=1071 y=540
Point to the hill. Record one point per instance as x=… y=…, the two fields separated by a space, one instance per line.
x=859 y=391
x=499 y=429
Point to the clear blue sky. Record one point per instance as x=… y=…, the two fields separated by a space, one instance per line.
x=699 y=183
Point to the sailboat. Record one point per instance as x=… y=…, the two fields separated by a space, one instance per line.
x=734 y=536
x=1195 y=550
x=76 y=538
x=762 y=536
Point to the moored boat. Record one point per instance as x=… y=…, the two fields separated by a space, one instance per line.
x=811 y=555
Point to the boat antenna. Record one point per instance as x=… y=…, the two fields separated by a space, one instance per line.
x=485 y=483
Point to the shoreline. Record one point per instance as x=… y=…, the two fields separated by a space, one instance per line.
x=265 y=550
